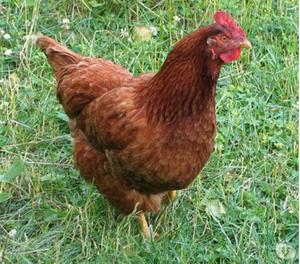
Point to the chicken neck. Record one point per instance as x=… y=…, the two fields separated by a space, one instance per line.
x=185 y=84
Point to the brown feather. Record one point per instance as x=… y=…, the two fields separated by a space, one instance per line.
x=138 y=137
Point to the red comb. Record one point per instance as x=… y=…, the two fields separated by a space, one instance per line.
x=224 y=19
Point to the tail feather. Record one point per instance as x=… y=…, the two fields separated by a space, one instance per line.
x=58 y=55
x=80 y=79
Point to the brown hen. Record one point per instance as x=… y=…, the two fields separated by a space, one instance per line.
x=140 y=138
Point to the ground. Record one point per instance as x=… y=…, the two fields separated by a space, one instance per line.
x=243 y=208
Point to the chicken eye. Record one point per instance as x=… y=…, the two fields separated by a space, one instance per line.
x=224 y=38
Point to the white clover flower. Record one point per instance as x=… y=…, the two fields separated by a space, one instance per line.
x=31 y=38
x=27 y=23
x=8 y=52
x=1 y=81
x=2 y=32
x=176 y=19
x=124 y=33
x=153 y=30
x=65 y=24
x=285 y=251
x=6 y=36
x=66 y=21
x=12 y=233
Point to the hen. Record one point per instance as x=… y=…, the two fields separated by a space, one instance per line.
x=141 y=138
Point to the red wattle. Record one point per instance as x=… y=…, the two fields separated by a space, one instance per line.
x=230 y=55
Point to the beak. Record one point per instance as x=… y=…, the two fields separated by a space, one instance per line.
x=246 y=44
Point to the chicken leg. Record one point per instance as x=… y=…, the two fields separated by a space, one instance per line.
x=171 y=195
x=143 y=224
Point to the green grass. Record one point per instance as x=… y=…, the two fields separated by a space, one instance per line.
x=253 y=172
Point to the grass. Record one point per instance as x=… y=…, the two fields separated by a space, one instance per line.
x=242 y=207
